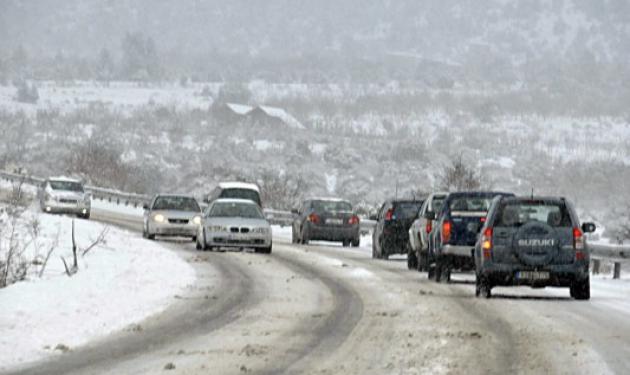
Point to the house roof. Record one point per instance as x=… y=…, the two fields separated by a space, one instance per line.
x=275 y=112
x=239 y=109
x=281 y=114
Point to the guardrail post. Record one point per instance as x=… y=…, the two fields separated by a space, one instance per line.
x=617 y=271
x=596 y=266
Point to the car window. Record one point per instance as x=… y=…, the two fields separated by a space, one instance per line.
x=248 y=194
x=437 y=203
x=176 y=203
x=515 y=214
x=331 y=206
x=233 y=209
x=407 y=210
x=66 y=186
x=470 y=204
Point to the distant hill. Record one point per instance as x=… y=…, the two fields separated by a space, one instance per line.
x=495 y=40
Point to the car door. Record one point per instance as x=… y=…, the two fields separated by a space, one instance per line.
x=378 y=229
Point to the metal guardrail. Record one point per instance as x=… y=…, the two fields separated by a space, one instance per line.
x=111 y=195
x=615 y=254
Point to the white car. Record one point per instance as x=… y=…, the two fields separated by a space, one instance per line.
x=418 y=256
x=234 y=223
x=65 y=195
x=171 y=215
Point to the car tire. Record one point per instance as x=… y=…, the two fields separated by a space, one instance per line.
x=194 y=238
x=266 y=250
x=412 y=259
x=345 y=243
x=356 y=242
x=431 y=272
x=438 y=271
x=303 y=238
x=198 y=245
x=423 y=262
x=581 y=290
x=374 y=251
x=151 y=236
x=482 y=287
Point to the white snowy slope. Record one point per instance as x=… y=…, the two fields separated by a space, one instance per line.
x=119 y=283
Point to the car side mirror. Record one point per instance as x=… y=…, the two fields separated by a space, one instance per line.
x=294 y=211
x=373 y=217
x=429 y=215
x=588 y=227
x=145 y=207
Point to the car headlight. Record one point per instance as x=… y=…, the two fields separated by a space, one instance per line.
x=159 y=218
x=260 y=230
x=217 y=228
x=196 y=220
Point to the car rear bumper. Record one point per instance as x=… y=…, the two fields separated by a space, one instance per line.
x=332 y=233
x=395 y=243
x=559 y=275
x=458 y=251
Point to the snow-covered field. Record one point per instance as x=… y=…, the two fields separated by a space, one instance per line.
x=119 y=283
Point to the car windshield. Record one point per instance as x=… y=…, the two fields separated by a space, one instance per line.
x=407 y=210
x=332 y=206
x=176 y=204
x=248 y=194
x=67 y=186
x=470 y=204
x=234 y=209
x=515 y=214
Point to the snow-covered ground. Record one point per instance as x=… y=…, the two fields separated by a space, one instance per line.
x=119 y=283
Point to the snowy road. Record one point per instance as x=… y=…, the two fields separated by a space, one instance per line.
x=330 y=310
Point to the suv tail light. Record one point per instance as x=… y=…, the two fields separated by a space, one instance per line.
x=446 y=231
x=389 y=215
x=486 y=243
x=429 y=227
x=578 y=243
x=353 y=220
x=313 y=218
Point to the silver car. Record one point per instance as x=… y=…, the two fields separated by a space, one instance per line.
x=65 y=195
x=171 y=215
x=418 y=256
x=234 y=223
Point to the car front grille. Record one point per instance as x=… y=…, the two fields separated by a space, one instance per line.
x=178 y=221
x=68 y=201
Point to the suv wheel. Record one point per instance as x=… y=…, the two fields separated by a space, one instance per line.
x=412 y=260
x=356 y=242
x=423 y=262
x=438 y=270
x=482 y=287
x=581 y=290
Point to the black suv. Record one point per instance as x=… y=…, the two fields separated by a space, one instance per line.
x=326 y=219
x=391 y=233
x=535 y=241
x=458 y=224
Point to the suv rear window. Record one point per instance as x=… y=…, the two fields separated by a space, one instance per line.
x=248 y=194
x=515 y=214
x=331 y=206
x=407 y=210
x=470 y=204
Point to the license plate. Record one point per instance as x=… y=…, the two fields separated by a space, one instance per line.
x=334 y=221
x=532 y=275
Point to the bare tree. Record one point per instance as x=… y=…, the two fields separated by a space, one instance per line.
x=458 y=176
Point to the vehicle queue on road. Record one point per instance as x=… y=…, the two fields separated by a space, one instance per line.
x=505 y=240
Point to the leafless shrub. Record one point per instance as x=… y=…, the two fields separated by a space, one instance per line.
x=280 y=191
x=458 y=176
